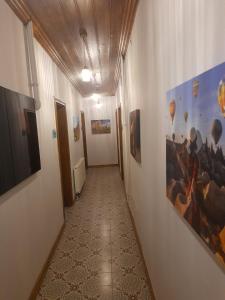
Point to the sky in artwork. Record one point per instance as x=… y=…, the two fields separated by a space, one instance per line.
x=202 y=110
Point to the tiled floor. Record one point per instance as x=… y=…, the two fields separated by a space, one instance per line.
x=98 y=255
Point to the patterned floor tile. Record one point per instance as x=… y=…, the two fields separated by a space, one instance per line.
x=93 y=292
x=98 y=257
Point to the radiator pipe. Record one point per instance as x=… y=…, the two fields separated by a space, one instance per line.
x=31 y=64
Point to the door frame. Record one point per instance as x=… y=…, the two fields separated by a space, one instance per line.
x=64 y=157
x=117 y=137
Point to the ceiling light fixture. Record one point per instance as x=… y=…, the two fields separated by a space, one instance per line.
x=86 y=73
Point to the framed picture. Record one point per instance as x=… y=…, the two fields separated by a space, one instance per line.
x=101 y=126
x=76 y=128
x=195 y=155
x=135 y=135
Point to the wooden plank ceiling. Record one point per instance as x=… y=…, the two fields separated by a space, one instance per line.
x=57 y=24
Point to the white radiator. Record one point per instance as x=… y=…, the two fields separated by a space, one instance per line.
x=79 y=175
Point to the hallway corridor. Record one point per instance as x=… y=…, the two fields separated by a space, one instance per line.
x=98 y=256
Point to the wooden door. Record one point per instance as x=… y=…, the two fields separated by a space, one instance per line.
x=84 y=138
x=64 y=154
x=120 y=130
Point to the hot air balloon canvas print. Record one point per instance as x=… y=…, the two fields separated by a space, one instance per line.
x=135 y=135
x=195 y=155
x=76 y=128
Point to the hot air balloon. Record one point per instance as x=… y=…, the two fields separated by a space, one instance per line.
x=217 y=130
x=221 y=96
x=173 y=137
x=195 y=88
x=172 y=109
x=199 y=141
x=186 y=116
x=193 y=134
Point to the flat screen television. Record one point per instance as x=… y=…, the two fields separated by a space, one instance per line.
x=19 y=147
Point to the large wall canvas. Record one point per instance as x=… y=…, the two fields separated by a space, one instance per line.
x=76 y=128
x=101 y=126
x=195 y=155
x=135 y=135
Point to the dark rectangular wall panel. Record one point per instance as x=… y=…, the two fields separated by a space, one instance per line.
x=7 y=177
x=19 y=148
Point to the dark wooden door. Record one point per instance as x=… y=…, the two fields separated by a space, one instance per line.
x=64 y=154
x=120 y=129
x=84 y=138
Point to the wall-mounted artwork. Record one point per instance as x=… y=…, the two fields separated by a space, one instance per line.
x=195 y=155
x=76 y=128
x=135 y=135
x=100 y=126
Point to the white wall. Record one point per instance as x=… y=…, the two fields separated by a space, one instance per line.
x=13 y=71
x=101 y=148
x=172 y=41
x=31 y=214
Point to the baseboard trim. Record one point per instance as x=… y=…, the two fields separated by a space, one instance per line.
x=141 y=251
x=40 y=278
x=103 y=166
